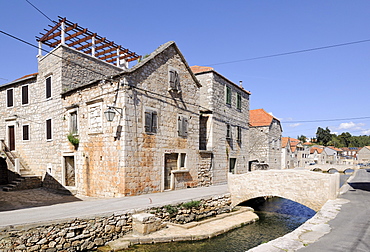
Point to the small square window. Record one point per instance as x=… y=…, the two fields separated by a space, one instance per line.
x=73 y=127
x=10 y=97
x=228 y=95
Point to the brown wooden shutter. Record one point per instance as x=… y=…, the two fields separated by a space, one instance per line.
x=184 y=127
x=48 y=129
x=48 y=87
x=148 y=120
x=26 y=132
x=154 y=121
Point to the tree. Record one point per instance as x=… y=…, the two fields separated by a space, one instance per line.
x=323 y=135
x=302 y=138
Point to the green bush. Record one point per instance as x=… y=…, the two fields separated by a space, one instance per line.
x=73 y=140
x=191 y=204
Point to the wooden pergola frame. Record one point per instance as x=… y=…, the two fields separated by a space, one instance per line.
x=81 y=39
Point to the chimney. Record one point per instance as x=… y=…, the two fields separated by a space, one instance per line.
x=241 y=84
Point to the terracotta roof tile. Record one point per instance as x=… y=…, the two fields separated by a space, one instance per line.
x=259 y=117
x=200 y=69
x=28 y=75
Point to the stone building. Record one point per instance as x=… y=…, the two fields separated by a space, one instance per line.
x=54 y=123
x=224 y=131
x=265 y=139
x=363 y=155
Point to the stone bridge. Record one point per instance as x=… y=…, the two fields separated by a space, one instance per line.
x=308 y=188
x=331 y=167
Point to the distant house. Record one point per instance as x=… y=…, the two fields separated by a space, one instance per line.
x=332 y=154
x=287 y=161
x=364 y=155
x=265 y=139
x=224 y=130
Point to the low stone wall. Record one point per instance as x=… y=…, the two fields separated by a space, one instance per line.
x=88 y=233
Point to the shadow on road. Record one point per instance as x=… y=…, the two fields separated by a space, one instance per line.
x=361 y=186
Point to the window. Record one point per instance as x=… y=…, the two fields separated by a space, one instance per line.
x=239 y=136
x=151 y=121
x=48 y=130
x=9 y=98
x=73 y=128
x=25 y=95
x=26 y=132
x=228 y=95
x=182 y=160
x=174 y=80
x=182 y=126
x=228 y=131
x=48 y=87
x=238 y=101
x=232 y=163
x=95 y=118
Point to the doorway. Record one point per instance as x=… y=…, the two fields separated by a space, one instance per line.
x=11 y=138
x=170 y=163
x=69 y=171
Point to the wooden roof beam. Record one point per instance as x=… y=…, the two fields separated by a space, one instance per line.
x=44 y=38
x=80 y=41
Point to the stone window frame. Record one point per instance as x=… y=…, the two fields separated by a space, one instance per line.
x=10 y=102
x=174 y=80
x=228 y=95
x=49 y=129
x=48 y=86
x=182 y=125
x=91 y=104
x=23 y=102
x=232 y=166
x=28 y=136
x=150 y=121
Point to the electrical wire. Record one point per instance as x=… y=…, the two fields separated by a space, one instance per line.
x=40 y=12
x=293 y=52
x=329 y=120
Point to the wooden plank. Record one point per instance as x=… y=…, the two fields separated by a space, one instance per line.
x=79 y=41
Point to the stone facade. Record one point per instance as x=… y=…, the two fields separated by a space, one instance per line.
x=224 y=125
x=125 y=157
x=265 y=139
x=363 y=155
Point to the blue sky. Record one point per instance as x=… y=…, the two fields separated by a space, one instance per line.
x=317 y=85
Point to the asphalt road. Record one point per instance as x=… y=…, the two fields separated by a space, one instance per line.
x=351 y=227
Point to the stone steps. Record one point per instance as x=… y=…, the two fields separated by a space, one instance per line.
x=24 y=182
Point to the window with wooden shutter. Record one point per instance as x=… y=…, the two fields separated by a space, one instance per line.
x=48 y=129
x=73 y=127
x=239 y=136
x=182 y=126
x=48 y=87
x=174 y=80
x=9 y=98
x=151 y=121
x=25 y=95
x=228 y=131
x=238 y=101
x=26 y=132
x=228 y=95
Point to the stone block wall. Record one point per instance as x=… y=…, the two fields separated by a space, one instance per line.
x=86 y=234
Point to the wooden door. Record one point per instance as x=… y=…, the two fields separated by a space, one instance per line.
x=70 y=175
x=11 y=138
x=170 y=163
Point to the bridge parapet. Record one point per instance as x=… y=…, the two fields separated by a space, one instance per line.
x=308 y=188
x=327 y=167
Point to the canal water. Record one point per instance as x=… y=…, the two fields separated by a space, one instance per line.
x=278 y=216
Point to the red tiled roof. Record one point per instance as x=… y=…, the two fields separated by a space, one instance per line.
x=313 y=149
x=28 y=75
x=259 y=117
x=284 y=141
x=200 y=69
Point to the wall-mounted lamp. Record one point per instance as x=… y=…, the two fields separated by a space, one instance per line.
x=110 y=113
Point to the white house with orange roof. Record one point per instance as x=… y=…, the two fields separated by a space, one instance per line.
x=265 y=139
